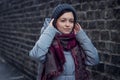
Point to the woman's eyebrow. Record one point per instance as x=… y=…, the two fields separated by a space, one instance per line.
x=67 y=18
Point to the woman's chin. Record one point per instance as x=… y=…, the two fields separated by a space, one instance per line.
x=66 y=32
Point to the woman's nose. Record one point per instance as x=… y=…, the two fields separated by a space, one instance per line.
x=67 y=23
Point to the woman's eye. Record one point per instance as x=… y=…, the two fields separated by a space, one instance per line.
x=71 y=21
x=62 y=20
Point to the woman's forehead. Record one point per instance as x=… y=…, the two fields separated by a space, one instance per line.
x=67 y=15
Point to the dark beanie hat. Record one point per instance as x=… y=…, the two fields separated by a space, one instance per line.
x=61 y=7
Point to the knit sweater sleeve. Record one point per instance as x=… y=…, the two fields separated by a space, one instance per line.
x=41 y=47
x=88 y=47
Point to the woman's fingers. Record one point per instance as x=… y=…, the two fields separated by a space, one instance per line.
x=51 y=22
x=77 y=28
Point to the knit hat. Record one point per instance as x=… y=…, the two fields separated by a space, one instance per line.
x=58 y=10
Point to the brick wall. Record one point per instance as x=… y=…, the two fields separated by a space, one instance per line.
x=21 y=21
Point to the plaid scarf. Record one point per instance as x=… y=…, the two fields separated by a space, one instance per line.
x=56 y=59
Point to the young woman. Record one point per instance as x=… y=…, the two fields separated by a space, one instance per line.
x=63 y=49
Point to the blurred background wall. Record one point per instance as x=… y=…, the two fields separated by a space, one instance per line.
x=21 y=21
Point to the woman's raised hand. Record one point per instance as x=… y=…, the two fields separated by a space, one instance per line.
x=51 y=22
x=77 y=28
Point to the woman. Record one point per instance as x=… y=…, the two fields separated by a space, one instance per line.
x=63 y=49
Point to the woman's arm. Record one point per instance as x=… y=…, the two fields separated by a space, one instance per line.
x=88 y=47
x=42 y=45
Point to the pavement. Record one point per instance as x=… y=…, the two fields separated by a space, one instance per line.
x=8 y=72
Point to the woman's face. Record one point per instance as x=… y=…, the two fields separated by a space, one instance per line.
x=65 y=23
